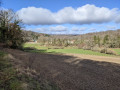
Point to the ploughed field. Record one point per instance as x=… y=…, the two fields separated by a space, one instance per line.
x=70 y=72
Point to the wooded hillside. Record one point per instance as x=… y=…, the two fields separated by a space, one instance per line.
x=110 y=38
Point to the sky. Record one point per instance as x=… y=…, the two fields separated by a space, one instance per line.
x=66 y=16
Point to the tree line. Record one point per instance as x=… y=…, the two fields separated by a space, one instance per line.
x=108 y=39
x=100 y=41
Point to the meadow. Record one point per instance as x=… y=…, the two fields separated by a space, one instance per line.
x=72 y=50
x=117 y=50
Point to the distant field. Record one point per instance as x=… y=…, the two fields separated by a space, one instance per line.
x=117 y=50
x=36 y=45
x=42 y=49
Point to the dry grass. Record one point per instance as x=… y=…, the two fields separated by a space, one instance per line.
x=70 y=73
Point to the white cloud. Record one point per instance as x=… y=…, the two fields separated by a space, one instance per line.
x=75 y=29
x=41 y=29
x=78 y=29
x=82 y=28
x=117 y=19
x=92 y=29
x=86 y=14
x=111 y=27
x=58 y=28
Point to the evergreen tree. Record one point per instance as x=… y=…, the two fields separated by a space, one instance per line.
x=106 y=40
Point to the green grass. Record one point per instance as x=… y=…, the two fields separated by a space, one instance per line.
x=41 y=49
x=37 y=46
x=117 y=50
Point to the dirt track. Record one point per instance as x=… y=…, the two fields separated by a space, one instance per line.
x=72 y=73
x=111 y=59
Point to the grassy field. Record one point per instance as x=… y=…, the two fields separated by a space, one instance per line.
x=117 y=50
x=43 y=49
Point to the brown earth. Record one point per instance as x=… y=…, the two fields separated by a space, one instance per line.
x=70 y=72
x=111 y=59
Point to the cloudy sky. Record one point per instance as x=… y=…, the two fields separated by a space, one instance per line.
x=67 y=16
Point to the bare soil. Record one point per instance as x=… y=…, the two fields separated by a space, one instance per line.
x=70 y=72
x=112 y=59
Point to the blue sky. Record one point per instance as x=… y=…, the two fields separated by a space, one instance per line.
x=67 y=16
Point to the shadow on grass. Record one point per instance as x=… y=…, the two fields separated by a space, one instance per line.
x=13 y=79
x=68 y=72
x=75 y=74
x=56 y=51
x=34 y=50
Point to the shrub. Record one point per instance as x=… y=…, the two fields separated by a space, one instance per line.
x=10 y=29
x=103 y=50
x=97 y=49
x=80 y=46
x=87 y=48
x=109 y=51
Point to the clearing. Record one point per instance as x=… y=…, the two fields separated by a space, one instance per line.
x=70 y=50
